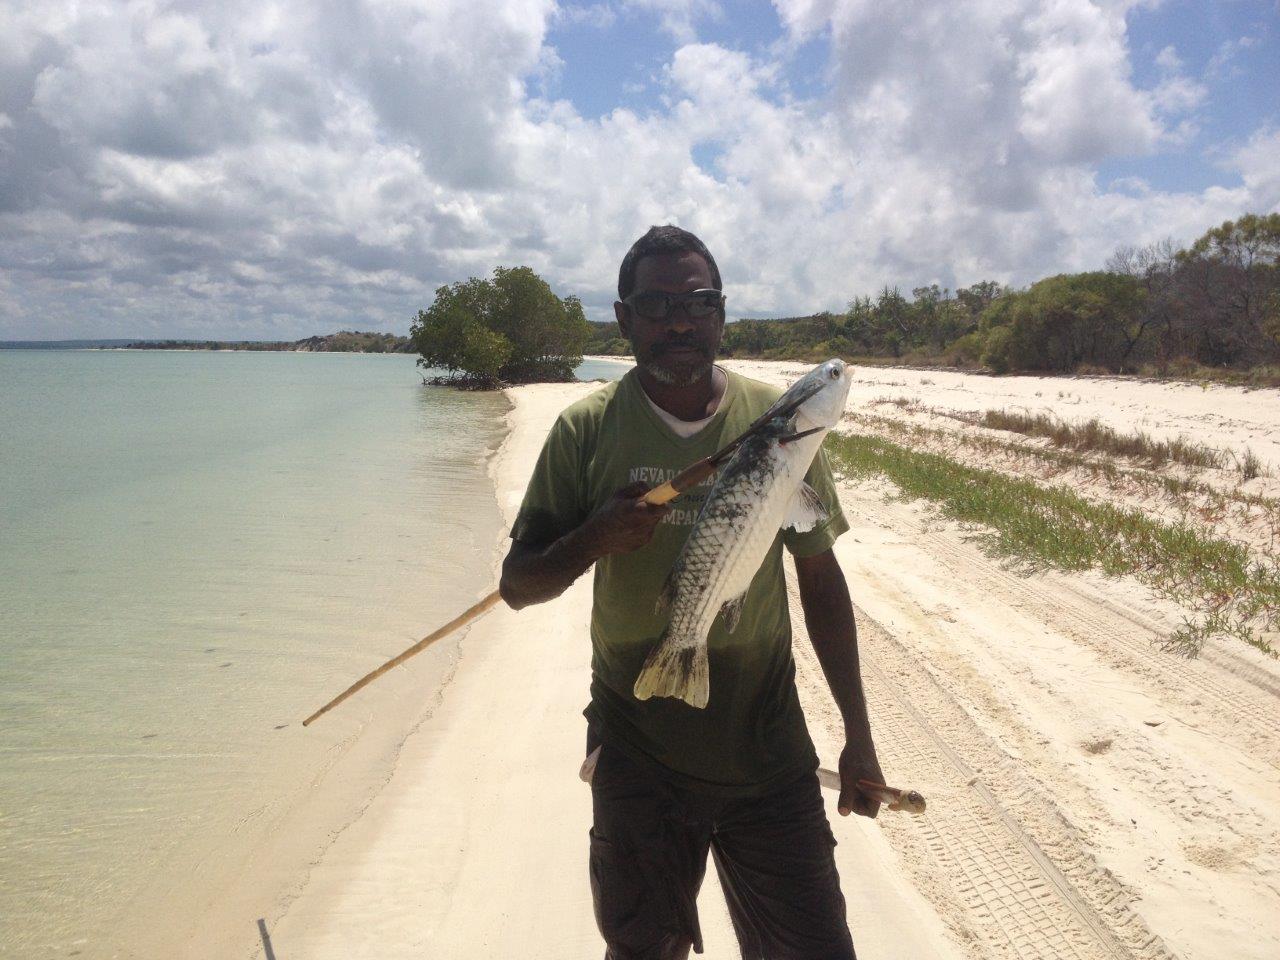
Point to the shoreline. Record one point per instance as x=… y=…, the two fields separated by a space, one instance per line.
x=483 y=799
x=207 y=895
x=430 y=856
x=486 y=797
x=340 y=809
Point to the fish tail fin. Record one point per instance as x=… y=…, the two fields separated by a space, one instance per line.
x=675 y=670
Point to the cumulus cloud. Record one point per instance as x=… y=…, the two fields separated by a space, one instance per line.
x=248 y=170
x=1176 y=92
x=679 y=18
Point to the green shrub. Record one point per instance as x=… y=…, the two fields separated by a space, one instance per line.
x=511 y=329
x=966 y=350
x=996 y=349
x=1062 y=322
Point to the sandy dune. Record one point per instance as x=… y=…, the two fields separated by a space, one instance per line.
x=1089 y=796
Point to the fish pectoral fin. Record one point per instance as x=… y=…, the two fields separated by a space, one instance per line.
x=731 y=610
x=805 y=510
x=791 y=437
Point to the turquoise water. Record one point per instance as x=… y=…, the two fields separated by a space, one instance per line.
x=196 y=551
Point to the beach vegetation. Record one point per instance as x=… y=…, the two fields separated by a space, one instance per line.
x=1250 y=465
x=512 y=328
x=1209 y=312
x=1187 y=496
x=1227 y=590
x=1061 y=323
x=1095 y=435
x=344 y=341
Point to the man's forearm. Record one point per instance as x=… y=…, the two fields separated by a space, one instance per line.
x=828 y=614
x=623 y=523
x=534 y=575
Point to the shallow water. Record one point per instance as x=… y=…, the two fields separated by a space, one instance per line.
x=197 y=550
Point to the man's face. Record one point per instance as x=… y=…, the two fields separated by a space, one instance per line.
x=678 y=350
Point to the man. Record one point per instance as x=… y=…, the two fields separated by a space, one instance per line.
x=672 y=781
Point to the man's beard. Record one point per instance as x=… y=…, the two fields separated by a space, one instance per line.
x=678 y=373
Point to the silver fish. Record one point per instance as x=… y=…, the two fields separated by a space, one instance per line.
x=760 y=490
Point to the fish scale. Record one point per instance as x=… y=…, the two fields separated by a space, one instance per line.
x=742 y=514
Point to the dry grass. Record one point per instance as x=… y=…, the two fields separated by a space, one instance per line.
x=1095 y=435
x=1183 y=370
x=908 y=404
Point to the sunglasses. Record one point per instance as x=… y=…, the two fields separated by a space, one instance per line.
x=656 y=305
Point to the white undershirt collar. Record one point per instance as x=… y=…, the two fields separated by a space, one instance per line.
x=686 y=428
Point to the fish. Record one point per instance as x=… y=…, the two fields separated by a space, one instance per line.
x=758 y=492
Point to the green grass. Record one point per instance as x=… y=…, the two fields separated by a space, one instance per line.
x=1038 y=526
x=1250 y=466
x=1057 y=459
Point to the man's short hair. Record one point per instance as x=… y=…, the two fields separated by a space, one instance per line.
x=662 y=240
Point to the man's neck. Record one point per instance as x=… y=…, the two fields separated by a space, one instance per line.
x=697 y=401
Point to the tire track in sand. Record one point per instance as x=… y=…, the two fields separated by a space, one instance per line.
x=1001 y=890
x=1222 y=689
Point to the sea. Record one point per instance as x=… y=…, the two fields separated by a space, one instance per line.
x=197 y=550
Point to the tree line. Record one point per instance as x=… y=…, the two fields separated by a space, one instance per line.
x=344 y=341
x=1155 y=308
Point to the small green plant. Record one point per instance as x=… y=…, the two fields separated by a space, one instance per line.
x=1250 y=465
x=1229 y=592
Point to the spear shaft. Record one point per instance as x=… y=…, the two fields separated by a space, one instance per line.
x=691 y=476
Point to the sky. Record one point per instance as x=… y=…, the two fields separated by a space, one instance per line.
x=276 y=169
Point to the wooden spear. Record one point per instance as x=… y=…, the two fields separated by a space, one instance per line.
x=689 y=477
x=908 y=801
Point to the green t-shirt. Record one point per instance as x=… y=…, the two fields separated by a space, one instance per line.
x=752 y=733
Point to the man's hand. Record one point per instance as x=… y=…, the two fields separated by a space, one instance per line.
x=623 y=523
x=857 y=762
x=535 y=574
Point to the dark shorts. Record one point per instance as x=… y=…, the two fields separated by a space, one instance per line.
x=774 y=855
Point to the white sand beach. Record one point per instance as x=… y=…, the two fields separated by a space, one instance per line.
x=1089 y=796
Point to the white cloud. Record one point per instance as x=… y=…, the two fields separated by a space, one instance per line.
x=1168 y=60
x=597 y=15
x=679 y=17
x=1221 y=63
x=1258 y=162
x=1079 y=103
x=281 y=170
x=1177 y=93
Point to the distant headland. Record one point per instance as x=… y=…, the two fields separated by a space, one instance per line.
x=346 y=341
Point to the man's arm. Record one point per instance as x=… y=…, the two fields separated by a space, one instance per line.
x=828 y=615
x=535 y=574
